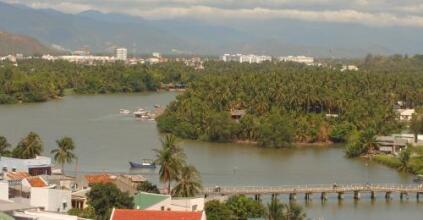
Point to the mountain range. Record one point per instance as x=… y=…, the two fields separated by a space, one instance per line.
x=15 y=43
x=102 y=32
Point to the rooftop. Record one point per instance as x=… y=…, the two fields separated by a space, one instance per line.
x=126 y=214
x=17 y=175
x=101 y=178
x=144 y=200
x=36 y=181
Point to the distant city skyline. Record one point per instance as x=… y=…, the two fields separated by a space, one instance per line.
x=406 y=13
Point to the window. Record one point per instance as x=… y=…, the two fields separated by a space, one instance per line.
x=162 y=208
x=4 y=169
x=13 y=169
x=194 y=207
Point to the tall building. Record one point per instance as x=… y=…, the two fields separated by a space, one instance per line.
x=121 y=54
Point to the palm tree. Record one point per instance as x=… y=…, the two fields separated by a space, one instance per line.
x=404 y=158
x=275 y=210
x=294 y=212
x=188 y=182
x=29 y=147
x=171 y=159
x=4 y=146
x=64 y=152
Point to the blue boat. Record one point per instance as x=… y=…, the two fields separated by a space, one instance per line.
x=149 y=164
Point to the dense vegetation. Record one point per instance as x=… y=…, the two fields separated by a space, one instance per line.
x=243 y=208
x=287 y=102
x=37 y=80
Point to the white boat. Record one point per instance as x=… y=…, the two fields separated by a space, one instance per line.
x=125 y=111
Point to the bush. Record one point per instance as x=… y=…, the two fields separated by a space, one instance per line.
x=387 y=160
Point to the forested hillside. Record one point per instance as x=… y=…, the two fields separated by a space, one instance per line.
x=14 y=43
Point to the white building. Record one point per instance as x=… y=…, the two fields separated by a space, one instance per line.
x=37 y=166
x=121 y=54
x=298 y=59
x=349 y=68
x=159 y=202
x=240 y=58
x=405 y=114
x=157 y=55
x=52 y=200
x=41 y=215
x=4 y=190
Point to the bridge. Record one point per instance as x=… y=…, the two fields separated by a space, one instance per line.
x=323 y=190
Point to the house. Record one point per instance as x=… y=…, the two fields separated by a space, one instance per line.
x=79 y=198
x=128 y=214
x=33 y=181
x=405 y=114
x=41 y=215
x=99 y=178
x=390 y=144
x=159 y=202
x=237 y=114
x=128 y=183
x=52 y=200
x=36 y=166
x=61 y=181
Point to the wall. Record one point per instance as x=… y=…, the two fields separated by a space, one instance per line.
x=51 y=199
x=24 y=164
x=187 y=204
x=4 y=190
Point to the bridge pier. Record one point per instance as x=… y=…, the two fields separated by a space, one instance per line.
x=324 y=196
x=356 y=195
x=403 y=194
x=372 y=195
x=292 y=196
x=307 y=196
x=274 y=196
x=418 y=196
x=257 y=197
x=388 y=195
x=340 y=195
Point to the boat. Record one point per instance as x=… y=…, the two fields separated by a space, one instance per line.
x=144 y=164
x=140 y=113
x=124 y=111
x=418 y=179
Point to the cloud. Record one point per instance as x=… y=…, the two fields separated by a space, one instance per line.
x=366 y=12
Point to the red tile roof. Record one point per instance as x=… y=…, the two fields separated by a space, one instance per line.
x=101 y=178
x=16 y=175
x=36 y=182
x=128 y=214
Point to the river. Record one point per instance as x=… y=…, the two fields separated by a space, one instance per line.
x=107 y=140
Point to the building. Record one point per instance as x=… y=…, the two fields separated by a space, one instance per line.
x=157 y=55
x=37 y=166
x=349 y=68
x=41 y=215
x=52 y=200
x=390 y=144
x=240 y=58
x=159 y=202
x=128 y=214
x=405 y=114
x=238 y=114
x=121 y=54
x=298 y=59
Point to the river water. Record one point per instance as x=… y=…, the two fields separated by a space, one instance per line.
x=107 y=140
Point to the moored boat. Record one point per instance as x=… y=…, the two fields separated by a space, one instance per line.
x=124 y=111
x=144 y=164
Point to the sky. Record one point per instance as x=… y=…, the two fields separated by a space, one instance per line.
x=404 y=13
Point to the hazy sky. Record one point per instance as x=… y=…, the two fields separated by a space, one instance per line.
x=367 y=12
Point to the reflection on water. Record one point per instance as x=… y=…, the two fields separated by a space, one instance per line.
x=107 y=141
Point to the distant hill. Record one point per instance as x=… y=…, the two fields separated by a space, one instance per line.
x=103 y=32
x=14 y=43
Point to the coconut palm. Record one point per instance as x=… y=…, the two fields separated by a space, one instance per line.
x=171 y=159
x=64 y=152
x=29 y=147
x=4 y=146
x=404 y=158
x=188 y=182
x=275 y=210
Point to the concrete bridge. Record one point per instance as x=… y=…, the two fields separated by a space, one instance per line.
x=322 y=190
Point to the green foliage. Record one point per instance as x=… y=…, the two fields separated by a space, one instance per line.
x=416 y=124
x=104 y=197
x=360 y=143
x=301 y=95
x=275 y=131
x=404 y=158
x=216 y=210
x=29 y=147
x=87 y=213
x=38 y=80
x=64 y=152
x=388 y=160
x=276 y=210
x=188 y=182
x=244 y=207
x=147 y=186
x=4 y=147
